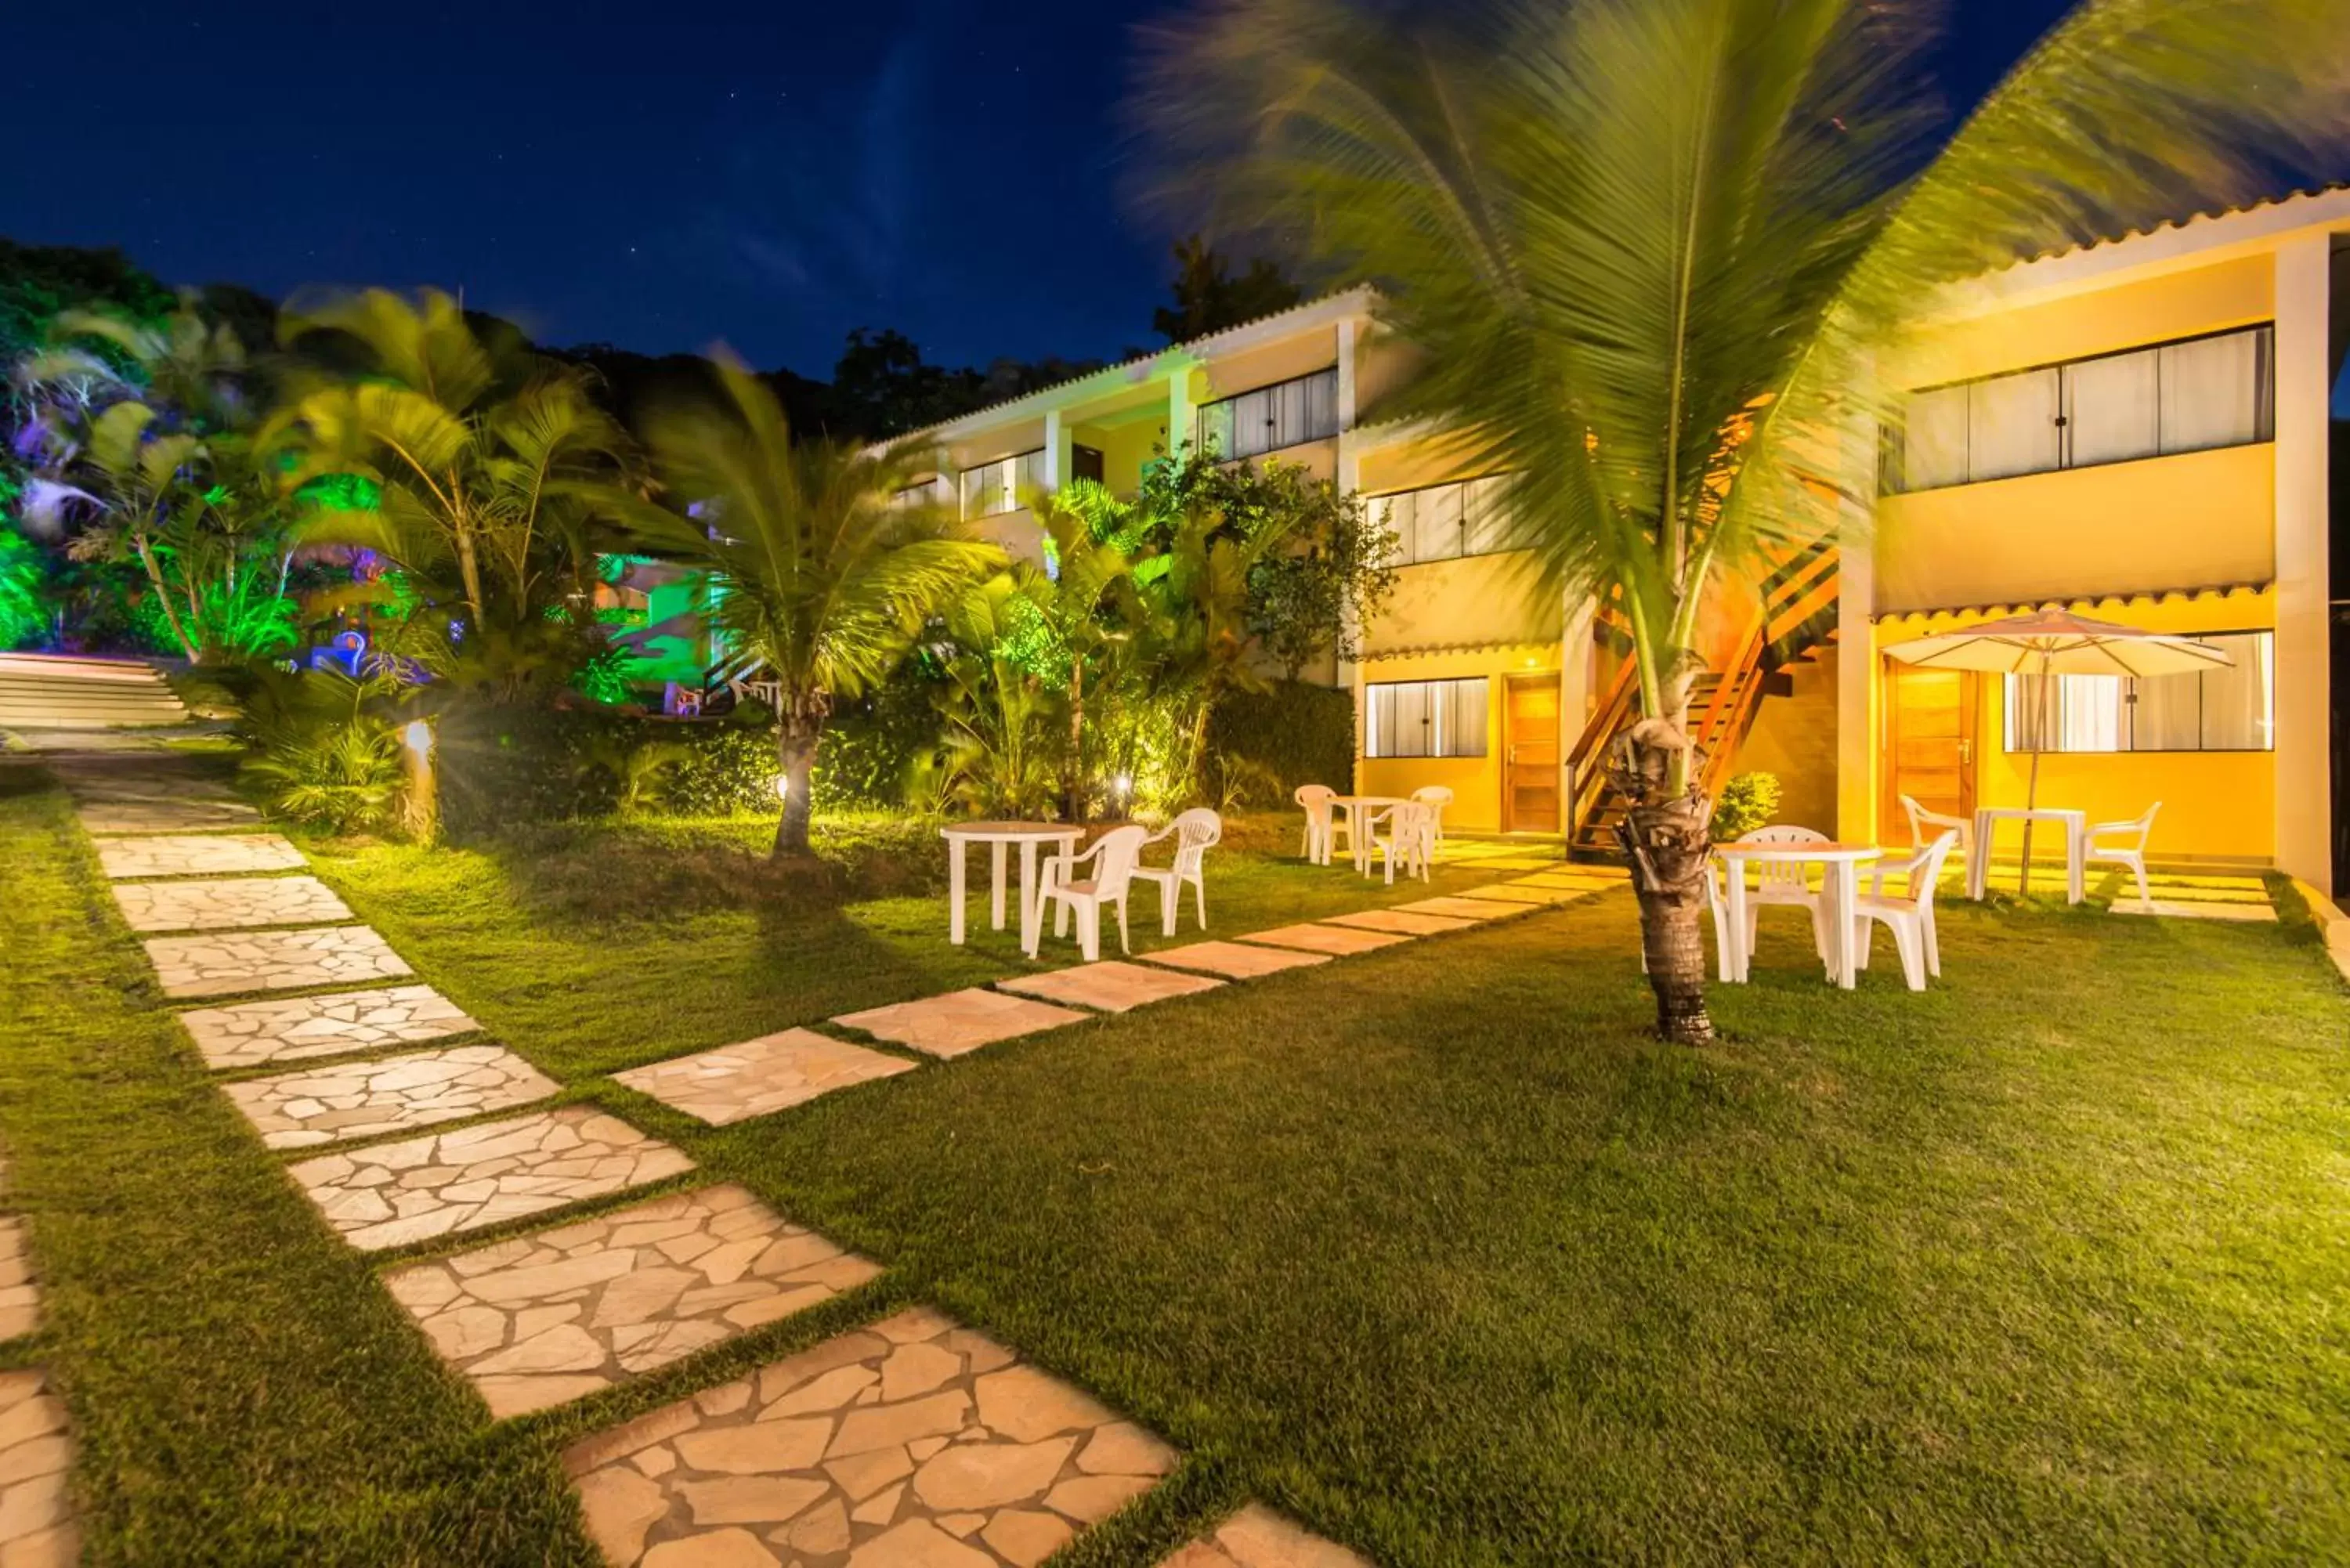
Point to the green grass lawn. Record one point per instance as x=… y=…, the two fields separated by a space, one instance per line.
x=1432 y=1248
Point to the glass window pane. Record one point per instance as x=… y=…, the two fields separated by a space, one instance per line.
x=2089 y=712
x=1412 y=719
x=2167 y=713
x=1378 y=722
x=2215 y=391
x=1322 y=405
x=1394 y=514
x=1934 y=439
x=2239 y=701
x=2112 y=408
x=1216 y=429
x=1436 y=516
x=1466 y=731
x=2012 y=425
x=1487 y=522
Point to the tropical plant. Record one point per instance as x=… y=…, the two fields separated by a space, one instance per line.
x=818 y=572
x=324 y=749
x=1087 y=604
x=1747 y=801
x=492 y=471
x=24 y=590
x=1653 y=251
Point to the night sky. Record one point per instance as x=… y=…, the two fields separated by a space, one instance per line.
x=662 y=175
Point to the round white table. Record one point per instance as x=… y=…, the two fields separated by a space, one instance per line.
x=1354 y=806
x=2075 y=824
x=1841 y=889
x=999 y=837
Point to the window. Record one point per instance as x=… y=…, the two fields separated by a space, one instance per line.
x=2189 y=396
x=998 y=484
x=1445 y=522
x=1425 y=718
x=2231 y=709
x=1288 y=414
x=911 y=495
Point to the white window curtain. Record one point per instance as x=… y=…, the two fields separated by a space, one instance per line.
x=1934 y=438
x=1394 y=515
x=1437 y=519
x=1464 y=729
x=2112 y=408
x=2239 y=701
x=1485 y=528
x=2231 y=708
x=2012 y=425
x=1426 y=718
x=2216 y=391
x=2167 y=713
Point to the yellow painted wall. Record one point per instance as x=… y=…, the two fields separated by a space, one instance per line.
x=2206 y=299
x=1125 y=449
x=2217 y=805
x=2199 y=519
x=1475 y=599
x=1794 y=737
x=1228 y=374
x=1475 y=782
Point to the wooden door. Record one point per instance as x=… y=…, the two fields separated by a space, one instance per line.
x=1530 y=756
x=1929 y=745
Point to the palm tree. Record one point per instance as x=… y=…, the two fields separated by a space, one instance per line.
x=818 y=567
x=1652 y=249
x=1087 y=604
x=490 y=461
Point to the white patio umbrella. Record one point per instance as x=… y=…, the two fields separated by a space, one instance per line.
x=2056 y=642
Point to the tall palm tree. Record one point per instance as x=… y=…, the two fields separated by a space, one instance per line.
x=1087 y=602
x=1653 y=249
x=817 y=567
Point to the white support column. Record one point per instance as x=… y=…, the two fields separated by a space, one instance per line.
x=944 y=484
x=1576 y=613
x=1180 y=410
x=1057 y=450
x=1856 y=748
x=1346 y=374
x=2304 y=698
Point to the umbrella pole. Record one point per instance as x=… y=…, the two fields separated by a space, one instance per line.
x=2032 y=788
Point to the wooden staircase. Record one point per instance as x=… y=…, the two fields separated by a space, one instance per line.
x=1795 y=616
x=59 y=692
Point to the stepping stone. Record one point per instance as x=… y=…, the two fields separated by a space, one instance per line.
x=2176 y=909
x=1510 y=893
x=36 y=1523
x=1395 y=921
x=393 y=1093
x=1256 y=1537
x=273 y=960
x=1460 y=909
x=1234 y=961
x=395 y=1193
x=235 y=901
x=542 y=1320
x=1515 y=863
x=196 y=855
x=913 y=1442
x=769 y=1074
x=20 y=1298
x=1110 y=986
x=256 y=1033
x=1566 y=881
x=959 y=1021
x=1338 y=941
x=101 y=816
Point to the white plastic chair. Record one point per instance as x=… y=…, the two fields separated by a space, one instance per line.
x=1783 y=882
x=1924 y=825
x=1718 y=873
x=1408 y=839
x=1113 y=856
x=1195 y=833
x=1322 y=825
x=1910 y=917
x=2132 y=855
x=1436 y=797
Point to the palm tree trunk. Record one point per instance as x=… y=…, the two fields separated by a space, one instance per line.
x=1667 y=836
x=1073 y=771
x=799 y=728
x=163 y=597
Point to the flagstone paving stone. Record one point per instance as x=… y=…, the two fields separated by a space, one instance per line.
x=1516 y=863
x=392 y=1094
x=1235 y=960
x=1397 y=921
x=196 y=855
x=228 y=962
x=103 y=817
x=1461 y=907
x=1110 y=985
x=227 y=903
x=2196 y=911
x=1569 y=881
x=253 y=1033
x=1509 y=893
x=913 y=1443
x=395 y=1193
x=1256 y=1537
x=20 y=1298
x=957 y=1021
x=769 y=1074
x=36 y=1523
x=541 y=1319
x=1338 y=941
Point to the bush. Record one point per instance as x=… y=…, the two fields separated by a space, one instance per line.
x=1295 y=733
x=1748 y=802
x=325 y=749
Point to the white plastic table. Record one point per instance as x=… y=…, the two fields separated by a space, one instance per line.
x=2075 y=824
x=1841 y=888
x=999 y=837
x=1354 y=806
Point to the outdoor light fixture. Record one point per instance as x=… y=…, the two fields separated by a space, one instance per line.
x=418 y=737
x=1125 y=782
x=782 y=786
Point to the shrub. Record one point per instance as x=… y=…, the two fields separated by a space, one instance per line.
x=1293 y=733
x=1748 y=802
x=326 y=749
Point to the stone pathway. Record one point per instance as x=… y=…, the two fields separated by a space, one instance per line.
x=228 y=904
x=1110 y=986
x=544 y=1319
x=36 y=1526
x=387 y=1195
x=20 y=1298
x=255 y=1034
x=387 y=1094
x=1399 y=924
x=166 y=815
x=1235 y=960
x=1338 y=942
x=196 y=855
x=1460 y=909
x=1256 y=1537
x=914 y=1442
x=958 y=1022
x=772 y=1072
x=273 y=960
